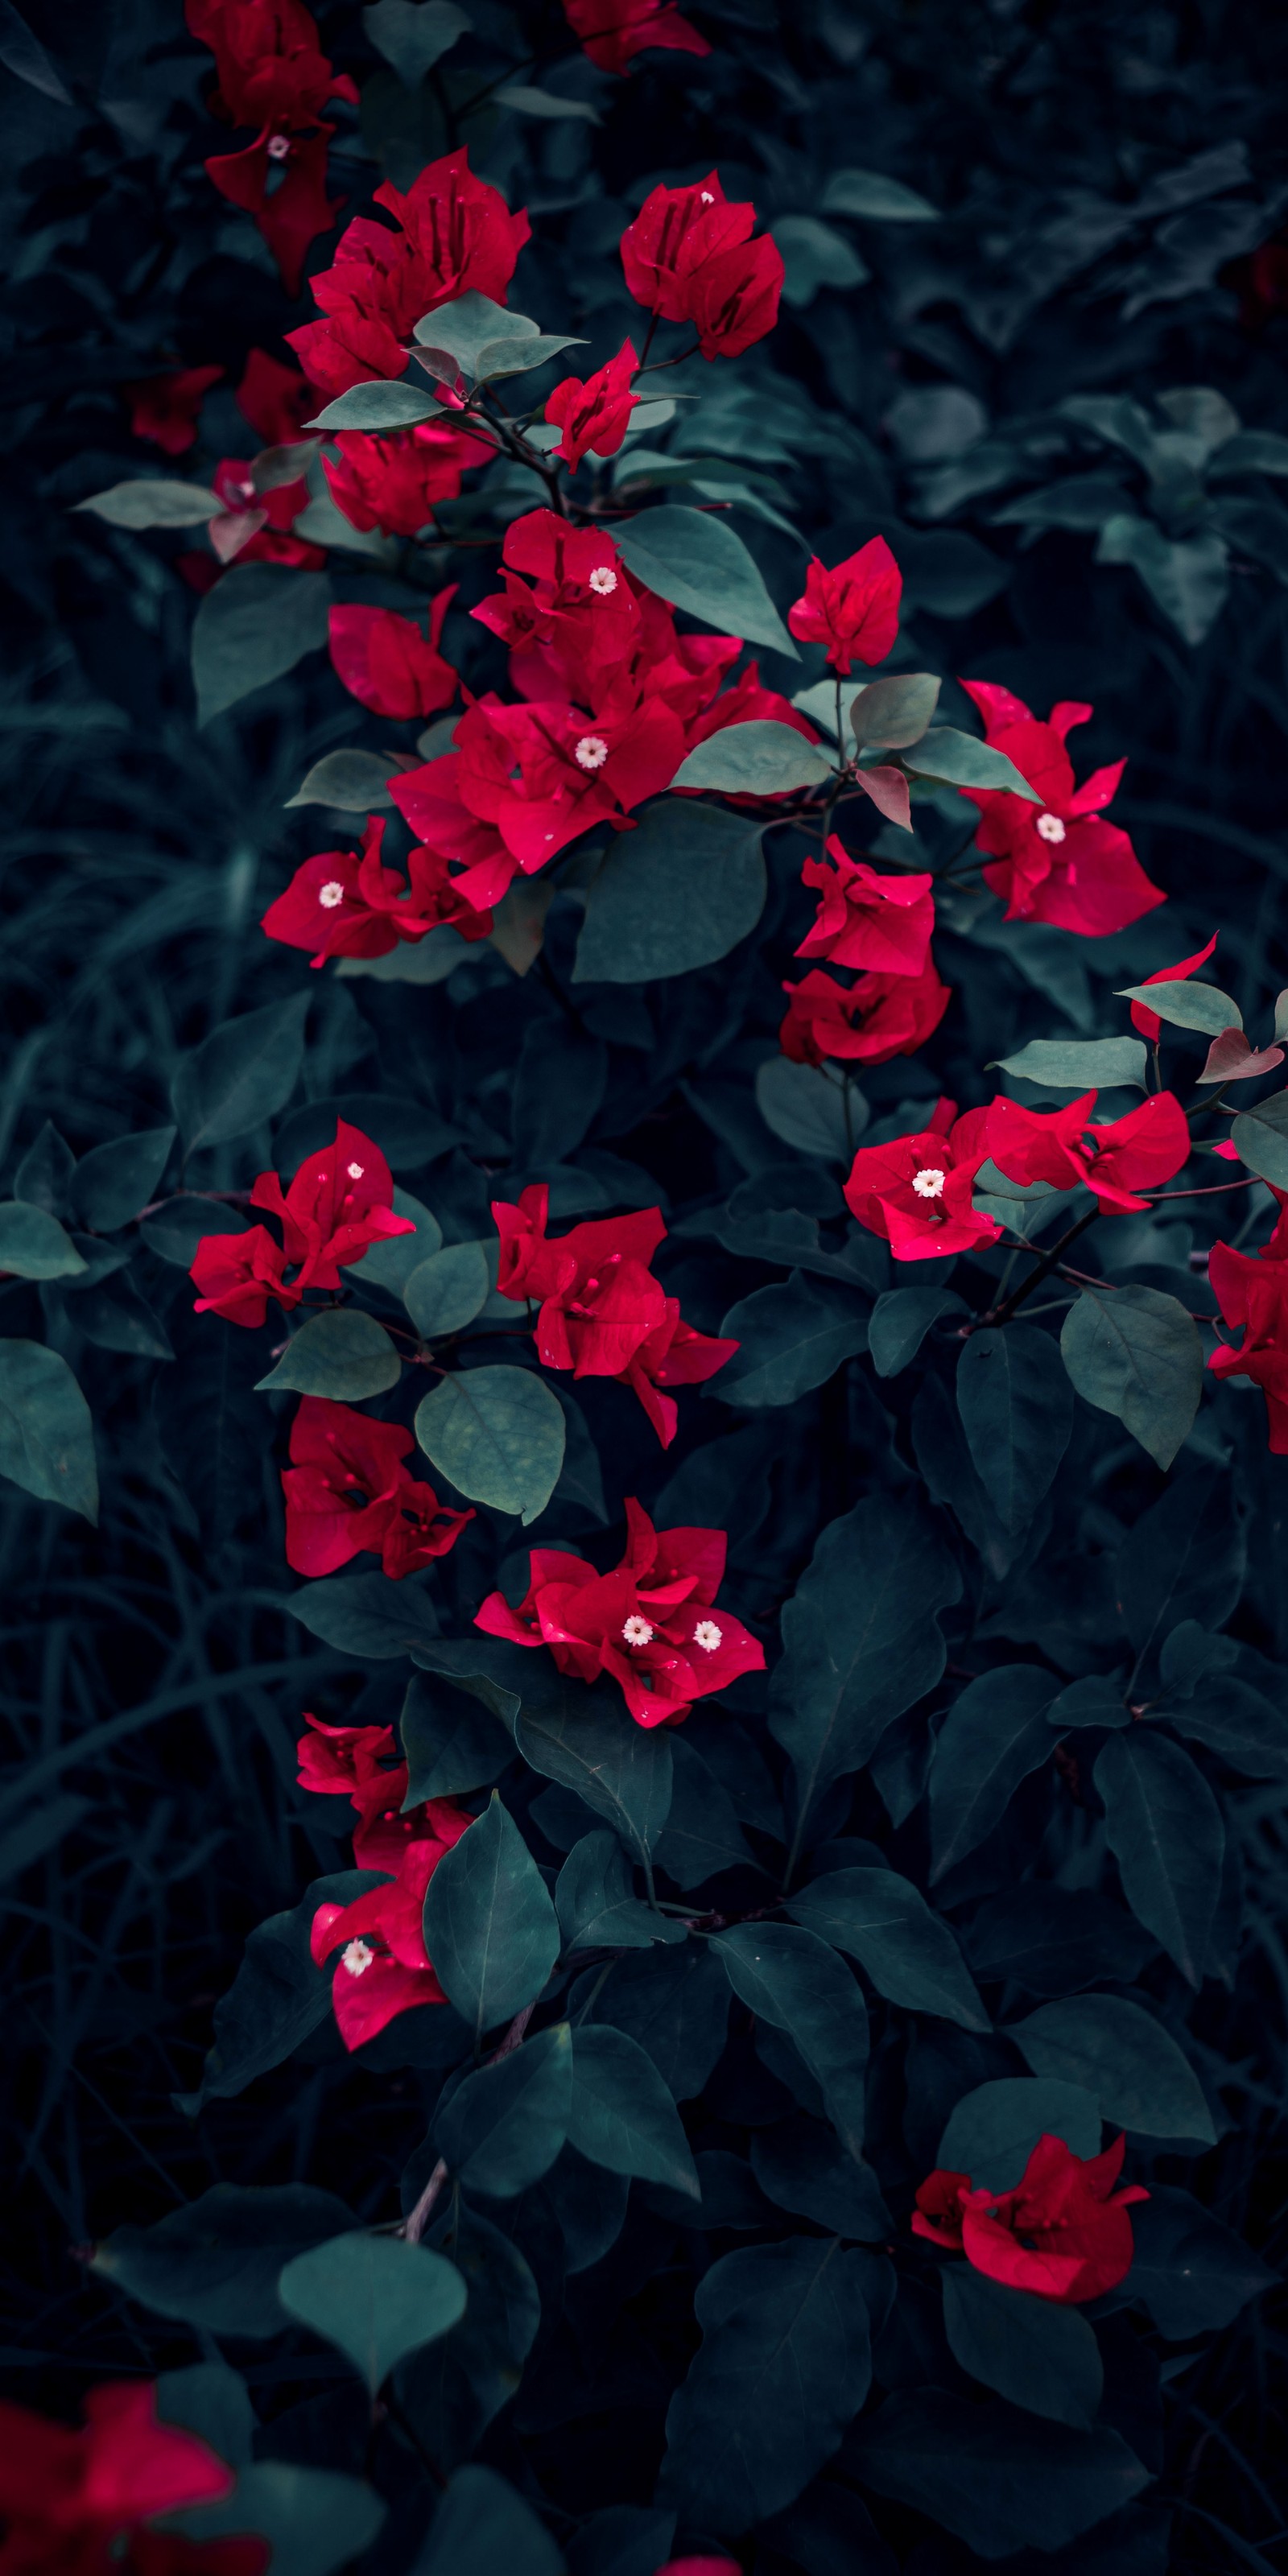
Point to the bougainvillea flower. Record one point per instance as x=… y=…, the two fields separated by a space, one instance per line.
x=747 y=701
x=81 y=2503
x=166 y=408
x=652 y=1624
x=689 y=257
x=574 y=610
x=1063 y=2232
x=1062 y=1147
x=347 y=1489
x=1251 y=1291
x=238 y=1273
x=673 y=1354
x=276 y=400
x=455 y=235
x=878 y=1017
x=595 y=412
x=430 y=800
x=340 y=904
x=386 y=663
x=1059 y=861
x=882 y=923
x=542 y=775
x=394 y=483
x=384 y=1968
x=1147 y=1021
x=339 y=1203
x=916 y=1191
x=598 y=1300
x=700 y=2567
x=269 y=66
x=258 y=526
x=853 y=609
x=612 y=31
x=361 y=1763
x=280 y=179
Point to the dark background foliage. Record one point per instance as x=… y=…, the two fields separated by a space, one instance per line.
x=1104 y=175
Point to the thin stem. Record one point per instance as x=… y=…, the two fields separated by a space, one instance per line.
x=414 y=2226
x=1003 y=1313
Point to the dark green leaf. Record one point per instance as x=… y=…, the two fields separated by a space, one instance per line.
x=1136 y=1353
x=242 y=1074
x=450 y=1747
x=676 y=2004
x=996 y=2477
x=962 y=760
x=505 y=2125
x=1183 y=1559
x=365 y=1614
x=795 y=1981
x=255 y=625
x=1192 y=2273
x=490 y=1927
x=46 y=1435
x=993 y=2131
x=1120 y=2053
x=882 y=200
x=354 y=781
x=113 y=1181
x=892 y=715
x=702 y=1835
x=1188 y=578
x=1017 y=1411
x=596 y=1902
x=498 y=1433
x=1260 y=1138
x=450 y=2391
x=900 y=1321
x=588 y=1742
x=815 y=255
x=152 y=501
x=760 y=758
x=278 y=1996
x=1042 y=2356
x=995 y=1733
x=1164 y=1828
x=375 y=2297
x=791 y=1338
x=885 y=1923
x=1079 y=1064
x=342 y=1354
x=1184 y=1005
x=482 y=2527
x=622 y=2113
x=215 y=2263
x=446 y=1292
x=678 y=892
x=210 y=2400
x=697 y=562
x=33 y=1245
x=806 y=1107
x=800 y=2165
x=1051 y=1940
x=314 y=2520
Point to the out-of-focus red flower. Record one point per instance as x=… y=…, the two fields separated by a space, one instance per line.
x=689 y=257
x=1251 y=1290
x=386 y=663
x=853 y=609
x=544 y=774
x=1056 y=862
x=361 y=1763
x=384 y=1968
x=393 y=483
x=257 y=527
x=1062 y=1147
x=276 y=400
x=651 y=1624
x=81 y=2503
x=352 y=906
x=878 y=1017
x=1261 y=283
x=1063 y=2232
x=1147 y=1021
x=700 y=2567
x=865 y=919
x=916 y=1191
x=280 y=179
x=166 y=408
x=347 y=1489
x=339 y=1203
x=576 y=607
x=612 y=31
x=454 y=236
x=594 y=413
x=238 y=1273
x=270 y=68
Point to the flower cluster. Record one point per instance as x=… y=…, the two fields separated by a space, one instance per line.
x=84 y=2503
x=395 y=483
x=339 y=1203
x=1062 y=2232
x=613 y=31
x=653 y=1624
x=384 y=1968
x=1058 y=861
x=880 y=925
x=689 y=257
x=271 y=74
x=388 y=665
x=1251 y=1291
x=601 y=1311
x=347 y=1489
x=340 y=904
x=916 y=1191
x=853 y=609
x=594 y=415
x=454 y=235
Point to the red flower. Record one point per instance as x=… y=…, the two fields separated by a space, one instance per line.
x=611 y=31
x=700 y=2567
x=863 y=919
x=360 y=1763
x=276 y=400
x=338 y=1205
x=1057 y=862
x=916 y=1191
x=393 y=483
x=454 y=236
x=543 y=775
x=1063 y=2232
x=577 y=618
x=430 y=800
x=689 y=257
x=238 y=1273
x=594 y=413
x=672 y=1354
x=347 y=1489
x=878 y=1017
x=280 y=179
x=270 y=68
x=386 y=663
x=1147 y=1021
x=1252 y=1290
x=853 y=609
x=748 y=700
x=79 y=2503
x=384 y=1968
x=166 y=408
x=1116 y=1161
x=257 y=527
x=648 y=1624
x=354 y=907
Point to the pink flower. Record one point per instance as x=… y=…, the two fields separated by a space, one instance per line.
x=689 y=257
x=166 y=408
x=353 y=907
x=917 y=1190
x=543 y=775
x=1063 y=2232
x=1062 y=1147
x=386 y=663
x=280 y=179
x=1252 y=1290
x=612 y=31
x=454 y=236
x=575 y=608
x=882 y=923
x=1147 y=1021
x=394 y=483
x=384 y=1968
x=360 y=1763
x=347 y=1489
x=339 y=1203
x=1056 y=862
x=276 y=400
x=258 y=525
x=878 y=1017
x=652 y=1625
x=270 y=68
x=854 y=609
x=594 y=413
x=82 y=2503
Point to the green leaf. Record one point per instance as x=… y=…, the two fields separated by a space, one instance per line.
x=1123 y=2055
x=355 y=781
x=892 y=714
x=1078 y=1064
x=499 y=1434
x=490 y=1927
x=46 y=1435
x=450 y=1746
x=791 y=1338
x=1188 y=578
x=900 y=1321
x=449 y=2392
x=212 y=2401
x=994 y=2130
x=414 y=34
x=33 y=1245
x=703 y=1835
x=623 y=2116
x=255 y=625
x=343 y=1354
x=503 y=2127
x=366 y=1614
x=154 y=501
x=1184 y=1005
x=481 y=339
x=800 y=2165
x=793 y=1980
x=1040 y=2355
x=760 y=758
x=995 y=1733
x=215 y=2263
x=962 y=760
x=697 y=563
x=445 y=1293
x=314 y=2520
x=379 y=405
x=998 y=2478
x=587 y=1742
x=391 y=1260
x=375 y=2298
x=783 y=2368
x=675 y=2004
x=114 y=1181
x=1136 y=1353
x=1192 y=2273
x=909 y=1952
x=678 y=892
x=1260 y=1138
x=278 y=1996
x=1164 y=1828
x=869 y=193
x=814 y=255
x=241 y=1075
x=482 y=2528
x=806 y=1107
x=1014 y=1399
x=597 y=1905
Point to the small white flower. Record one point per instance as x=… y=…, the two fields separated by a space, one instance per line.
x=928 y=1184
x=637 y=1631
x=1050 y=827
x=603 y=581
x=278 y=147
x=706 y=198
x=707 y=1635
x=357 y=1958
x=330 y=894
x=591 y=752
x=355 y=1170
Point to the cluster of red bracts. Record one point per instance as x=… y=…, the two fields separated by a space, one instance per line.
x=339 y=1203
x=384 y=1968
x=272 y=75
x=917 y=1190
x=83 y=2503
x=1061 y=2233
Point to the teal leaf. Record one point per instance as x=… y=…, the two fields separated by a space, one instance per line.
x=1187 y=577
x=444 y=1293
x=33 y=1245
x=503 y=2127
x=1165 y=1830
x=114 y=1181
x=498 y=1433
x=962 y=760
x=242 y=1074
x=791 y=1339
x=1260 y=1138
x=1119 y=2052
x=46 y=1434
x=677 y=893
x=994 y=2130
x=278 y=1996
x=375 y=2298
x=314 y=2520
x=153 y=501
x=254 y=626
x=790 y=1978
x=623 y=2115
x=1042 y=2356
x=759 y=758
x=893 y=714
x=214 y=2263
x=356 y=782
x=589 y=1743
x=870 y=194
x=343 y=1354
x=1079 y=1064
x=1000 y=2479
x=490 y=1928
x=1016 y=1406
x=1184 y=1004
x=995 y=1733
x=807 y=1108
x=1135 y=1352
x=413 y=38
x=695 y=561
x=450 y=1746
x=482 y=2527
x=900 y=1321
x=884 y=1922
x=597 y=1905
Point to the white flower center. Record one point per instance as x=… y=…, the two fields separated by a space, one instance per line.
x=928 y=1184
x=637 y=1631
x=278 y=147
x=706 y=198
x=707 y=1635
x=591 y=752
x=355 y=1170
x=603 y=580
x=1050 y=827
x=330 y=894
x=357 y=1958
